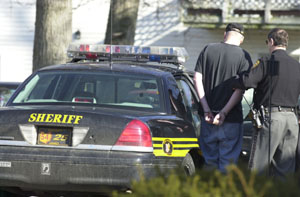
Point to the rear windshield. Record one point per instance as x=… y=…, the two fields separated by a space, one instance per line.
x=87 y=88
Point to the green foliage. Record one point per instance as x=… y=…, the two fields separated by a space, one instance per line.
x=237 y=182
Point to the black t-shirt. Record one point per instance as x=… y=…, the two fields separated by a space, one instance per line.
x=219 y=63
x=285 y=75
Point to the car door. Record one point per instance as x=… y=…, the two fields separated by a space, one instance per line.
x=190 y=102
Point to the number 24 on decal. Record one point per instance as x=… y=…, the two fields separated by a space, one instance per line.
x=60 y=137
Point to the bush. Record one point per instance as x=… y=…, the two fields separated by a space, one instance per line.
x=237 y=182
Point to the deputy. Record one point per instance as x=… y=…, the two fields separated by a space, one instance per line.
x=278 y=73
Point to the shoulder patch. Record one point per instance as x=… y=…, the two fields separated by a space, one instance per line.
x=256 y=64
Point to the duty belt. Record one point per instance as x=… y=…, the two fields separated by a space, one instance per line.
x=280 y=109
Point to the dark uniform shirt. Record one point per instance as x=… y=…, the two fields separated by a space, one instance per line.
x=219 y=63
x=280 y=71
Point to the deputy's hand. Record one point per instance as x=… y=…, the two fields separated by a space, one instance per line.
x=219 y=118
x=209 y=117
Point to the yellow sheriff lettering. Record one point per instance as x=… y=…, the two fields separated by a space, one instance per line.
x=77 y=119
x=71 y=118
x=32 y=117
x=40 y=117
x=54 y=118
x=57 y=118
x=49 y=118
x=64 y=119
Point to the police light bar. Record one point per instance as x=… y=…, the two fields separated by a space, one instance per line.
x=174 y=55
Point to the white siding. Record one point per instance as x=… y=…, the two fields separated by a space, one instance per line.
x=158 y=24
x=90 y=18
x=16 y=39
x=17 y=20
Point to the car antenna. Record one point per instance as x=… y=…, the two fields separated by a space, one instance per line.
x=111 y=21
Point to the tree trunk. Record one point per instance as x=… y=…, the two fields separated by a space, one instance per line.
x=53 y=32
x=123 y=15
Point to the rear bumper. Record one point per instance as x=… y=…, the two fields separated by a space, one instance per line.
x=76 y=170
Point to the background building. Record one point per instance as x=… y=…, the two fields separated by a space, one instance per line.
x=17 y=19
x=186 y=23
x=195 y=23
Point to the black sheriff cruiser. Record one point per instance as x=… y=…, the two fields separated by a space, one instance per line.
x=100 y=121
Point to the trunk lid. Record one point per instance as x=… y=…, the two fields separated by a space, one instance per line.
x=87 y=125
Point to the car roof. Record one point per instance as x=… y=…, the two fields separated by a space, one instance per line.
x=130 y=67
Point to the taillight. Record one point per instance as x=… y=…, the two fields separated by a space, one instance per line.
x=136 y=133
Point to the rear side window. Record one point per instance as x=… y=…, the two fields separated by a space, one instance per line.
x=190 y=103
x=110 y=89
x=5 y=93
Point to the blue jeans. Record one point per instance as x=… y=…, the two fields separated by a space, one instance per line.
x=221 y=145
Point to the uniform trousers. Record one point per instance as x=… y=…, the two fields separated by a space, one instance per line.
x=221 y=145
x=282 y=147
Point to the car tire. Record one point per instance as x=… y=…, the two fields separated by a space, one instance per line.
x=188 y=165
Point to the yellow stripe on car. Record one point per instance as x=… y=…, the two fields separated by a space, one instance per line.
x=157 y=145
x=175 y=139
x=177 y=145
x=176 y=153
x=185 y=145
x=165 y=146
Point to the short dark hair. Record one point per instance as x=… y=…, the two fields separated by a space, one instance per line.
x=280 y=37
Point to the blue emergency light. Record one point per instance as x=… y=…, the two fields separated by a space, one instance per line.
x=173 y=55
